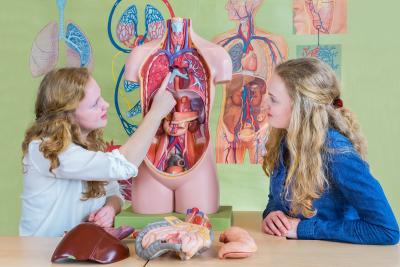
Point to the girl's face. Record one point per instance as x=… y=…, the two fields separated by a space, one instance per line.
x=91 y=113
x=279 y=104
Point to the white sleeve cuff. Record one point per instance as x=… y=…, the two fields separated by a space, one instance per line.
x=113 y=189
x=125 y=168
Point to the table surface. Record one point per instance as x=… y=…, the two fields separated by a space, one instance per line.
x=272 y=251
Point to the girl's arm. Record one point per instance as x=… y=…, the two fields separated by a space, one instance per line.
x=271 y=205
x=114 y=201
x=135 y=149
x=104 y=216
x=81 y=164
x=377 y=224
x=274 y=220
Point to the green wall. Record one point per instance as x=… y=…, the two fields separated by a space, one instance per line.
x=370 y=80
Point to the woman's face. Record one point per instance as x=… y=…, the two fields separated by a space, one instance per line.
x=279 y=104
x=91 y=113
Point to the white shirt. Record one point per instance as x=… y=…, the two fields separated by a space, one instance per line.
x=51 y=202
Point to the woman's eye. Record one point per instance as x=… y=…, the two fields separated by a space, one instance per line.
x=272 y=99
x=97 y=102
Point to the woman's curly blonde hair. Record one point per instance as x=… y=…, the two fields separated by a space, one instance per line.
x=59 y=95
x=313 y=88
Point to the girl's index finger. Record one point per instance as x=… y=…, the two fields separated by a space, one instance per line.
x=165 y=82
x=284 y=220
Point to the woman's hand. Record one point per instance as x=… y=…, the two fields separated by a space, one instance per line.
x=103 y=217
x=294 y=222
x=163 y=101
x=276 y=223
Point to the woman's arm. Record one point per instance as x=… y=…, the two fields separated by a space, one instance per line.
x=274 y=220
x=104 y=216
x=272 y=200
x=79 y=163
x=377 y=224
x=135 y=149
x=82 y=164
x=271 y=205
x=114 y=201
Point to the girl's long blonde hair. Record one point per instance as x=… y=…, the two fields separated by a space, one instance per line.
x=59 y=95
x=313 y=88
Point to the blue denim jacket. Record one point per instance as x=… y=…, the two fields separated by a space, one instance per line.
x=352 y=209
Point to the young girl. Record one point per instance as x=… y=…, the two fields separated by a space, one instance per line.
x=320 y=186
x=68 y=178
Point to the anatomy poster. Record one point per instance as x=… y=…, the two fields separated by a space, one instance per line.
x=242 y=125
x=319 y=16
x=330 y=54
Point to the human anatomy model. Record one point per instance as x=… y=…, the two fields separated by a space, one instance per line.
x=179 y=171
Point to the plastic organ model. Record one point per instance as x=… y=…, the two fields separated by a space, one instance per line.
x=179 y=169
x=188 y=238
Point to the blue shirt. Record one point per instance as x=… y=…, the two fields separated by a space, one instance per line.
x=353 y=208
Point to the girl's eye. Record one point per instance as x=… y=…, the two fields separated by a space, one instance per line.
x=272 y=99
x=95 y=104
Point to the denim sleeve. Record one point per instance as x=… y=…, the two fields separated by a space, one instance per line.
x=272 y=205
x=376 y=224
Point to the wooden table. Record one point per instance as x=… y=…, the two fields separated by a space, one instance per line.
x=272 y=251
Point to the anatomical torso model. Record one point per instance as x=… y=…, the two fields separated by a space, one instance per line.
x=179 y=171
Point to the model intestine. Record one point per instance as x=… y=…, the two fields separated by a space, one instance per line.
x=187 y=238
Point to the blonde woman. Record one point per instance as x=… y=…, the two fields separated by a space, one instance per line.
x=68 y=178
x=320 y=184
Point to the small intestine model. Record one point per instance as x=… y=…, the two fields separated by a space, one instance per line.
x=179 y=171
x=187 y=238
x=191 y=237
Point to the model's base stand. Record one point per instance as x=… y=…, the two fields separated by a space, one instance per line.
x=220 y=220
